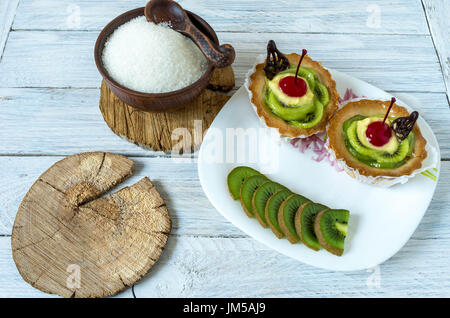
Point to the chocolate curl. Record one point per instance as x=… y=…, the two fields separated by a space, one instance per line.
x=276 y=61
x=404 y=125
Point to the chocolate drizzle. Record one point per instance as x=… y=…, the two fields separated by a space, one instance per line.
x=404 y=125
x=275 y=62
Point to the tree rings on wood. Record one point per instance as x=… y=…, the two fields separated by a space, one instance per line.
x=70 y=240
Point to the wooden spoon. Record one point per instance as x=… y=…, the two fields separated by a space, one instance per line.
x=166 y=11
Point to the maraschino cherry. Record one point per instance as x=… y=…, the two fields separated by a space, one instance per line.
x=379 y=133
x=294 y=86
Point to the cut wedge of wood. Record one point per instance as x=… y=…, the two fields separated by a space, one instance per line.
x=67 y=240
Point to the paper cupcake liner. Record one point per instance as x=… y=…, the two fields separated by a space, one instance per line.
x=429 y=163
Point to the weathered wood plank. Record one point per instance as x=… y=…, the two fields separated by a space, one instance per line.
x=49 y=59
x=392 y=62
x=47 y=119
x=178 y=183
x=66 y=121
x=189 y=267
x=438 y=16
x=397 y=56
x=346 y=16
x=7 y=12
x=434 y=109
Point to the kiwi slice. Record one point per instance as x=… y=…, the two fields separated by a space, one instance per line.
x=400 y=155
x=272 y=209
x=312 y=119
x=321 y=92
x=288 y=112
x=286 y=216
x=236 y=177
x=379 y=156
x=260 y=198
x=248 y=188
x=304 y=224
x=331 y=229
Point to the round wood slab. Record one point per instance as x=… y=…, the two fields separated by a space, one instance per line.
x=159 y=131
x=67 y=240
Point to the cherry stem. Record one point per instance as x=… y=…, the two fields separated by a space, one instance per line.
x=389 y=109
x=299 y=63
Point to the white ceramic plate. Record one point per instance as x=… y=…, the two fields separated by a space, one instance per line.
x=381 y=219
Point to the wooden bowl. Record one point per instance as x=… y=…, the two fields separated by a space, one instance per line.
x=157 y=102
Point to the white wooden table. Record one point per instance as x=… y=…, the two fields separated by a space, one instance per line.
x=49 y=92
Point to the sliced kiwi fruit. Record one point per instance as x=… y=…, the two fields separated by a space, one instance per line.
x=304 y=224
x=400 y=155
x=272 y=209
x=321 y=92
x=248 y=188
x=312 y=119
x=260 y=198
x=286 y=216
x=331 y=229
x=381 y=159
x=236 y=177
x=288 y=112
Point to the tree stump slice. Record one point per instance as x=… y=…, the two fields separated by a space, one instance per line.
x=160 y=131
x=69 y=241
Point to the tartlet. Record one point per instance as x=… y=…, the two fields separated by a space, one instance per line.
x=298 y=116
x=349 y=141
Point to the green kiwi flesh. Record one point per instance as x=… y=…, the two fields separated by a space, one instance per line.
x=286 y=216
x=322 y=94
x=272 y=209
x=331 y=229
x=260 y=198
x=304 y=224
x=248 y=188
x=235 y=179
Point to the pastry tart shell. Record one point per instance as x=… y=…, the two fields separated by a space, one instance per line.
x=257 y=89
x=367 y=107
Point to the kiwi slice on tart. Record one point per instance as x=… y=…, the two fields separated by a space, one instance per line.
x=236 y=177
x=248 y=188
x=399 y=154
x=330 y=227
x=260 y=198
x=322 y=93
x=304 y=224
x=288 y=113
x=272 y=209
x=311 y=119
x=286 y=216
